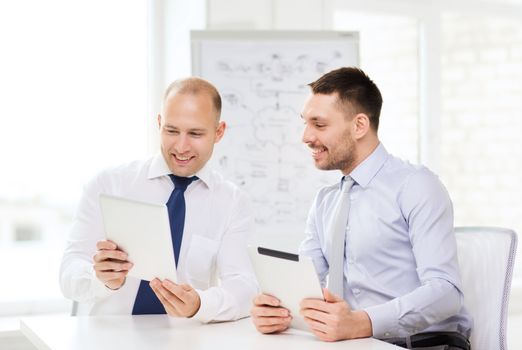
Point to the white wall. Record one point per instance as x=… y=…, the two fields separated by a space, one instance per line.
x=472 y=134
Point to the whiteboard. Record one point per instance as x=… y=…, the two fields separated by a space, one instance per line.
x=262 y=77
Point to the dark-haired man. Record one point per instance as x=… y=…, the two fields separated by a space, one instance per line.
x=383 y=236
x=209 y=219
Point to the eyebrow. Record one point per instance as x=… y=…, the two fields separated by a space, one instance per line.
x=167 y=126
x=314 y=119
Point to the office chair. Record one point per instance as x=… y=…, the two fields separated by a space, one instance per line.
x=486 y=257
x=74 y=309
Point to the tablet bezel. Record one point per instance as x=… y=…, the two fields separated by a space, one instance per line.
x=142 y=230
x=288 y=277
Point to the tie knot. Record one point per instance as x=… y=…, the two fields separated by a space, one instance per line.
x=347 y=183
x=180 y=182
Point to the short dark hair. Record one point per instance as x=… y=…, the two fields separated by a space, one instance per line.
x=195 y=86
x=354 y=87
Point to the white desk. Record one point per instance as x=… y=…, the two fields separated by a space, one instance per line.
x=161 y=332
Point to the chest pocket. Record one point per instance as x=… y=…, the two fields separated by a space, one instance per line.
x=201 y=258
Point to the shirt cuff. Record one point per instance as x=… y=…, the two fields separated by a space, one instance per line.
x=385 y=324
x=208 y=306
x=100 y=290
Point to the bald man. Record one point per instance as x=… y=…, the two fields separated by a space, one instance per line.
x=209 y=232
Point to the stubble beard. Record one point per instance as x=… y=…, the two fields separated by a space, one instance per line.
x=343 y=157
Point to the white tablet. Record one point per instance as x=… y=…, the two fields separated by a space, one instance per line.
x=142 y=230
x=289 y=277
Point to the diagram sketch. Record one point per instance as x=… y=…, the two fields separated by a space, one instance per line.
x=263 y=83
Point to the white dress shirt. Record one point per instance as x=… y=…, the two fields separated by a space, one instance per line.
x=217 y=222
x=400 y=251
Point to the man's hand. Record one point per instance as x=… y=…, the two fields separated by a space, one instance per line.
x=179 y=300
x=333 y=319
x=268 y=315
x=110 y=264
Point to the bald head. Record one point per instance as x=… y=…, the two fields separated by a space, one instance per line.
x=195 y=86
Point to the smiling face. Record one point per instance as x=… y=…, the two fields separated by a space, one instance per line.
x=328 y=133
x=189 y=128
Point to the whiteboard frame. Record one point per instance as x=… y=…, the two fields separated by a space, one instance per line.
x=346 y=40
x=197 y=37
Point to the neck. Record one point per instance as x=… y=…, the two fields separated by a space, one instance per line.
x=363 y=149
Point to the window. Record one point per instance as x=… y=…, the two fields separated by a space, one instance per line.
x=475 y=140
x=482 y=120
x=73 y=92
x=389 y=55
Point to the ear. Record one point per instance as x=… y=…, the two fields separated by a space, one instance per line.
x=361 y=125
x=220 y=131
x=159 y=121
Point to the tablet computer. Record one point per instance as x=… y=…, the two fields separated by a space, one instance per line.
x=288 y=277
x=142 y=230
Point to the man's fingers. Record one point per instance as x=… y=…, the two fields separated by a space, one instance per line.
x=115 y=266
x=186 y=287
x=181 y=291
x=272 y=324
x=100 y=245
x=320 y=330
x=166 y=298
x=322 y=336
x=316 y=304
x=178 y=293
x=157 y=289
x=167 y=294
x=272 y=329
x=265 y=299
x=265 y=311
x=102 y=255
x=169 y=308
x=316 y=315
x=316 y=325
x=272 y=321
x=331 y=297
x=110 y=276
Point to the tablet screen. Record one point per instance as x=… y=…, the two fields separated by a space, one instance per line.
x=288 y=277
x=142 y=230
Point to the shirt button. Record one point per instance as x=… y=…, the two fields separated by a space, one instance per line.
x=356 y=291
x=387 y=334
x=347 y=228
x=350 y=261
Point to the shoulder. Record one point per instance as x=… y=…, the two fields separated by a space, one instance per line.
x=416 y=185
x=423 y=182
x=228 y=199
x=224 y=188
x=406 y=176
x=120 y=174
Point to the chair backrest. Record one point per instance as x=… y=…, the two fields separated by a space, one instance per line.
x=74 y=308
x=486 y=258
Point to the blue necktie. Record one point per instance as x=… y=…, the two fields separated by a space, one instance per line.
x=146 y=301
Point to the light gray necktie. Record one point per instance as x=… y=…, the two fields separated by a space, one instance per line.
x=337 y=234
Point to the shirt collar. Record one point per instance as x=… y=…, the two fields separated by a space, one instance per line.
x=159 y=168
x=366 y=171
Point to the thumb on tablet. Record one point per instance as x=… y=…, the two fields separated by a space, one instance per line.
x=330 y=297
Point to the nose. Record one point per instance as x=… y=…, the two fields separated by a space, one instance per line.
x=308 y=136
x=182 y=144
